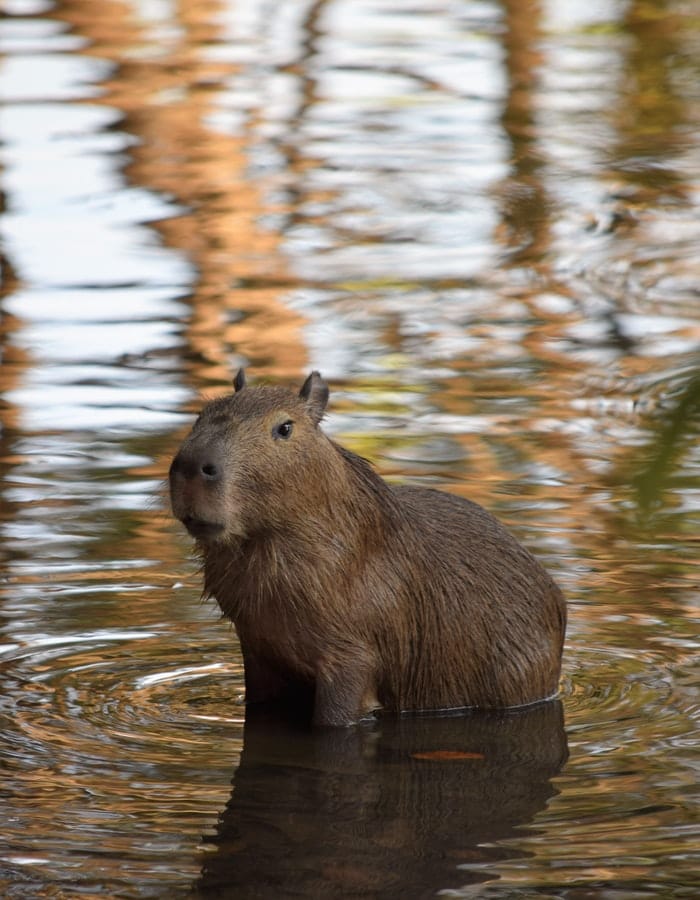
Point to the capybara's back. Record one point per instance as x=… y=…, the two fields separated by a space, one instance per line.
x=349 y=592
x=492 y=614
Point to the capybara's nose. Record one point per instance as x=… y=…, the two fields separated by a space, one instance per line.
x=196 y=465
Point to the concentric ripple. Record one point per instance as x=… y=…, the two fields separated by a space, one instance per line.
x=101 y=693
x=104 y=728
x=621 y=701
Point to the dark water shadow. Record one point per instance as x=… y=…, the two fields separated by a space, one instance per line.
x=395 y=809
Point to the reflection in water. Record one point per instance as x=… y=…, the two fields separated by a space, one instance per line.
x=480 y=220
x=401 y=809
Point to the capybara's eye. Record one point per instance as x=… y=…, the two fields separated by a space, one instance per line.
x=283 y=430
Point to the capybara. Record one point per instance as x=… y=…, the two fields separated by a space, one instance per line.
x=347 y=590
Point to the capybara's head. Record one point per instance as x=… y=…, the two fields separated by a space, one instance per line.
x=251 y=460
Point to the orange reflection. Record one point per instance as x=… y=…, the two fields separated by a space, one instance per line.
x=167 y=87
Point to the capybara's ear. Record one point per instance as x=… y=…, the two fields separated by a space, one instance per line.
x=315 y=392
x=239 y=380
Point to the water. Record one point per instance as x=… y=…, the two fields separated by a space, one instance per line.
x=480 y=221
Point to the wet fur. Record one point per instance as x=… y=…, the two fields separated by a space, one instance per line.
x=355 y=594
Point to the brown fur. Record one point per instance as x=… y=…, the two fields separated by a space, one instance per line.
x=343 y=588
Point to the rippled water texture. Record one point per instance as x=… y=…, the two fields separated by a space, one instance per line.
x=481 y=221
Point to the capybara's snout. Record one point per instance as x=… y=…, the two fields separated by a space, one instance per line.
x=196 y=463
x=196 y=482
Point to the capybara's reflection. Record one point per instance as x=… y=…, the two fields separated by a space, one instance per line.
x=399 y=808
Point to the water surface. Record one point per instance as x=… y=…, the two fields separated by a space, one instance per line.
x=480 y=221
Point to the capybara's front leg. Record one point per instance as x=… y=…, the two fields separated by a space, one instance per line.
x=262 y=682
x=345 y=694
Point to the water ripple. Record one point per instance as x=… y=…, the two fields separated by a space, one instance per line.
x=103 y=694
